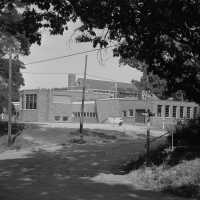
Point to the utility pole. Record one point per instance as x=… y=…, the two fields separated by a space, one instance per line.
x=83 y=99
x=10 y=99
x=148 y=123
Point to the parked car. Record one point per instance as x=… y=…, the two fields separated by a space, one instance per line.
x=115 y=120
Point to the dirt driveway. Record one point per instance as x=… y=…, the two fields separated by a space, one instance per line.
x=64 y=174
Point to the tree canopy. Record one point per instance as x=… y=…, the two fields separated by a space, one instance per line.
x=21 y=22
x=163 y=34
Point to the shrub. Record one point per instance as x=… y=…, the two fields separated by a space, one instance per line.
x=187 y=134
x=186 y=141
x=16 y=128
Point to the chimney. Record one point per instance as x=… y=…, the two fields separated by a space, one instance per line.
x=71 y=80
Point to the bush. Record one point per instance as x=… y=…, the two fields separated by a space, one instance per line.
x=187 y=134
x=186 y=141
x=157 y=157
x=16 y=128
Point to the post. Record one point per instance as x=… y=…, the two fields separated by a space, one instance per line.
x=148 y=139
x=10 y=99
x=172 y=140
x=116 y=90
x=148 y=121
x=83 y=99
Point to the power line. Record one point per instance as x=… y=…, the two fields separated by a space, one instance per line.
x=69 y=55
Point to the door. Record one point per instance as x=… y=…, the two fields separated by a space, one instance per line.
x=139 y=116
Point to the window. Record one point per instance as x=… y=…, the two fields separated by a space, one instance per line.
x=195 y=112
x=181 y=111
x=167 y=111
x=159 y=111
x=188 y=112
x=94 y=114
x=84 y=114
x=124 y=113
x=31 y=101
x=65 y=118
x=131 y=112
x=57 y=118
x=174 y=111
x=90 y=114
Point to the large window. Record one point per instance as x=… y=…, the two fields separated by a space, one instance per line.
x=181 y=111
x=159 y=111
x=167 y=111
x=174 y=111
x=31 y=101
x=188 y=112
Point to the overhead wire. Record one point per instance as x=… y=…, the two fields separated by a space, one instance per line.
x=69 y=55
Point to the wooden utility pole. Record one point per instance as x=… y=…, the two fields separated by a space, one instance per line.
x=83 y=100
x=10 y=99
x=148 y=123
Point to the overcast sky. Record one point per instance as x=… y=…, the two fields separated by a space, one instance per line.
x=54 y=73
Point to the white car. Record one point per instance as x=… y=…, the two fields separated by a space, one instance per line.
x=115 y=120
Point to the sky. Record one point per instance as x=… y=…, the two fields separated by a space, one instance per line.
x=54 y=73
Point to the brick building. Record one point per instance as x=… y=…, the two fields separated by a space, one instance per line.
x=101 y=102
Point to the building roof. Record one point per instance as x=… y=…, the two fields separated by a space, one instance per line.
x=105 y=85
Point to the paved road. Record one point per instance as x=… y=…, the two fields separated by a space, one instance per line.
x=62 y=175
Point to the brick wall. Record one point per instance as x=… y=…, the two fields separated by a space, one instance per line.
x=107 y=108
x=43 y=105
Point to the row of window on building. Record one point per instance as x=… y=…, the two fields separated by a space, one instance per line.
x=85 y=114
x=174 y=111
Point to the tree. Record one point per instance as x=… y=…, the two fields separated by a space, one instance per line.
x=156 y=85
x=20 y=25
x=16 y=82
x=24 y=19
x=163 y=34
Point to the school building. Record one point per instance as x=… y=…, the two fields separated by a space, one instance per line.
x=48 y=105
x=103 y=100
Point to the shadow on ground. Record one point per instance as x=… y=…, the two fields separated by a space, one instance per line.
x=62 y=175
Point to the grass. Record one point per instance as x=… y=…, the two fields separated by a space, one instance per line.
x=161 y=178
x=60 y=136
x=182 y=179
